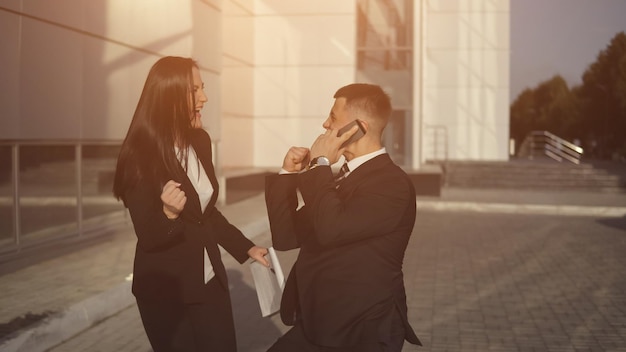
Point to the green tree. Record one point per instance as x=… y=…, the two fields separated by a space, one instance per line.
x=594 y=112
x=604 y=94
x=522 y=116
x=550 y=106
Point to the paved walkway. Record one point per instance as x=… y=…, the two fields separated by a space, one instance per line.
x=485 y=270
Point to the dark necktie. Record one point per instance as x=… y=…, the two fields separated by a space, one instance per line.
x=342 y=174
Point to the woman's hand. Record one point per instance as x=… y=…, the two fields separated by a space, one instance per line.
x=173 y=199
x=258 y=253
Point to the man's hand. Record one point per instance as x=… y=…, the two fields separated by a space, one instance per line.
x=173 y=199
x=258 y=253
x=328 y=144
x=297 y=158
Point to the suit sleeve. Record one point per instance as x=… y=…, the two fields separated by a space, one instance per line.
x=287 y=223
x=153 y=229
x=375 y=207
x=230 y=237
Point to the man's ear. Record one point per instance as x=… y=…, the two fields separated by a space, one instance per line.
x=365 y=124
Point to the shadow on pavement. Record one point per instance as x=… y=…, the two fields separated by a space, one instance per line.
x=618 y=223
x=253 y=331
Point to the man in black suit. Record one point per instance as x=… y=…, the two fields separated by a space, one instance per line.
x=346 y=290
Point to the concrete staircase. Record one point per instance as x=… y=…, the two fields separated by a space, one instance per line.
x=600 y=176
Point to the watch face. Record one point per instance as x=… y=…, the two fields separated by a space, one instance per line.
x=320 y=160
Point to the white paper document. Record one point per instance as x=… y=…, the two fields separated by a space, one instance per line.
x=269 y=283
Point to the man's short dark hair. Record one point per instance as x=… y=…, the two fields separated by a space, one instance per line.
x=370 y=99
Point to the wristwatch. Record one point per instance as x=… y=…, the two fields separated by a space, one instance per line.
x=320 y=160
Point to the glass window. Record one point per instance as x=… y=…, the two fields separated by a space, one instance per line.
x=385 y=35
x=7 y=228
x=397 y=137
x=385 y=57
x=47 y=191
x=98 y=168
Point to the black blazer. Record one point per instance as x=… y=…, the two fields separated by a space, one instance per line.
x=348 y=275
x=169 y=258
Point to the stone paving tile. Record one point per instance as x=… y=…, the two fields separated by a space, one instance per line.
x=54 y=284
x=124 y=332
x=110 y=335
x=502 y=282
x=475 y=282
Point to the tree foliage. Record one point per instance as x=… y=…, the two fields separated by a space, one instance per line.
x=594 y=112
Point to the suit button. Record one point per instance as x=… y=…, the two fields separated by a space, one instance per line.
x=200 y=222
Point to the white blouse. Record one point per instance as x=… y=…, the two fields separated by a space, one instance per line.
x=201 y=183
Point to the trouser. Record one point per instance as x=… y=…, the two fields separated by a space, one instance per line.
x=391 y=340
x=175 y=326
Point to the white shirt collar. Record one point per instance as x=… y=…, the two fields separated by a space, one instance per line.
x=358 y=161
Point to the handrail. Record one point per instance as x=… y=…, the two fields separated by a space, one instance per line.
x=14 y=147
x=551 y=145
x=12 y=165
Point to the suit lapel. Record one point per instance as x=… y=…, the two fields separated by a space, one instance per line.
x=192 y=208
x=201 y=143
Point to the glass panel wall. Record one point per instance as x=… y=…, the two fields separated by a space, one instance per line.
x=98 y=168
x=7 y=227
x=397 y=137
x=385 y=35
x=47 y=191
x=64 y=190
x=385 y=57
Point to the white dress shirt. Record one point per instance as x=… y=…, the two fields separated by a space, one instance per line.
x=352 y=164
x=358 y=161
x=201 y=183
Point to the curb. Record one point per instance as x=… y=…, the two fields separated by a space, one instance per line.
x=61 y=326
x=69 y=322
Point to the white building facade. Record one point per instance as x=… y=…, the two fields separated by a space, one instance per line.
x=71 y=73
x=270 y=67
x=444 y=62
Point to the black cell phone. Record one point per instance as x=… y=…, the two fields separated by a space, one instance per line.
x=358 y=134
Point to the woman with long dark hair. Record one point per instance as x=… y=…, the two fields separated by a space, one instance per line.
x=165 y=177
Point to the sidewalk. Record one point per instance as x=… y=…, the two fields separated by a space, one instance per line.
x=485 y=270
x=78 y=290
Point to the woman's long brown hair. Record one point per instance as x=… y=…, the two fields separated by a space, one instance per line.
x=162 y=120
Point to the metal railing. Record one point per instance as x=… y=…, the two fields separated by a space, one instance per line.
x=544 y=143
x=43 y=181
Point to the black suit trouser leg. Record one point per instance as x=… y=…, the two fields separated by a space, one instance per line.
x=392 y=339
x=208 y=326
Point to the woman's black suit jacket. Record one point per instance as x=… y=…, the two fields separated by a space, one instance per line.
x=169 y=258
x=348 y=275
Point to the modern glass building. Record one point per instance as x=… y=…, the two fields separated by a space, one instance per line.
x=72 y=71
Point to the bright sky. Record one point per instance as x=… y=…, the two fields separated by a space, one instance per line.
x=550 y=37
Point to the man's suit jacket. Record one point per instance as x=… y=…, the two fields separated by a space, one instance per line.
x=169 y=258
x=348 y=275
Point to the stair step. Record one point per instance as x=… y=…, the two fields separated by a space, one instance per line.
x=540 y=174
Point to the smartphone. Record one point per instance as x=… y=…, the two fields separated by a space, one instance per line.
x=358 y=134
